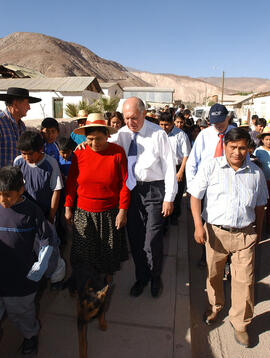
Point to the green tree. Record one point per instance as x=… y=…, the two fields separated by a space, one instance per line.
x=71 y=110
x=100 y=105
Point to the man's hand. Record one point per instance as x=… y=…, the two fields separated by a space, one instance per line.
x=81 y=146
x=121 y=219
x=167 y=208
x=200 y=234
x=68 y=215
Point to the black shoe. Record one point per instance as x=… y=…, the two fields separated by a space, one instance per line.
x=156 y=286
x=30 y=345
x=137 y=289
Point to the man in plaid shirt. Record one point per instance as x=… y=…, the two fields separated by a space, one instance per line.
x=11 y=126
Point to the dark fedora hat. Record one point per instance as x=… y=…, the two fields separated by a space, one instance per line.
x=15 y=93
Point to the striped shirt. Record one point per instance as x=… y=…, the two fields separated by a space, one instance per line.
x=230 y=196
x=10 y=131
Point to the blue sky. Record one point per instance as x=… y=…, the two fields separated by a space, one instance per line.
x=193 y=37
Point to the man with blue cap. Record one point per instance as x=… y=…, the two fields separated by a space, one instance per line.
x=209 y=143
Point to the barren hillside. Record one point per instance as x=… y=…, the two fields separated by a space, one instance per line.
x=56 y=58
x=243 y=84
x=187 y=89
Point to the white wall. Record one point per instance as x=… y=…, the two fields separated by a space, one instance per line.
x=38 y=110
x=44 y=108
x=105 y=91
x=262 y=107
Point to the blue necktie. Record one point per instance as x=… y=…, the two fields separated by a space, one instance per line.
x=132 y=157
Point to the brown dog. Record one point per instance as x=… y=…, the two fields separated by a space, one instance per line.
x=91 y=302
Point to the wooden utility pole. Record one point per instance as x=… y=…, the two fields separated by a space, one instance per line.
x=222 y=87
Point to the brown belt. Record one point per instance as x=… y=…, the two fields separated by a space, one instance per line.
x=232 y=229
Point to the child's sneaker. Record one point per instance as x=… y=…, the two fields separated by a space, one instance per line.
x=30 y=345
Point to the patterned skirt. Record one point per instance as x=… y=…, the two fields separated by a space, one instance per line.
x=97 y=242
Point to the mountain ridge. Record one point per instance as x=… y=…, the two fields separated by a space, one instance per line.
x=54 y=57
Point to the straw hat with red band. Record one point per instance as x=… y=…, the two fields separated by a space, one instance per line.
x=266 y=131
x=82 y=114
x=94 y=120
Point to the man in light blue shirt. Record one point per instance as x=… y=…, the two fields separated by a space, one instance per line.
x=206 y=142
x=235 y=192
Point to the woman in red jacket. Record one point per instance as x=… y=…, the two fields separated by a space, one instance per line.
x=97 y=180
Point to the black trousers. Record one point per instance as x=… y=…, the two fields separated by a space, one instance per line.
x=145 y=229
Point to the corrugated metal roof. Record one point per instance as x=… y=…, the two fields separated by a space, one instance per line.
x=244 y=98
x=61 y=84
x=22 y=71
x=262 y=94
x=147 y=89
x=107 y=84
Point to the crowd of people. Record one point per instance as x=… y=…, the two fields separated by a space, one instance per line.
x=125 y=173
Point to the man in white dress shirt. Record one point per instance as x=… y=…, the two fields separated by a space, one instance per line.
x=152 y=192
x=235 y=192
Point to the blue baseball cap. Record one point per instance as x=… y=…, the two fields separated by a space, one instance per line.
x=218 y=113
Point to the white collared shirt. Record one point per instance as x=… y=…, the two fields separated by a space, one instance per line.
x=230 y=196
x=204 y=148
x=155 y=160
x=180 y=144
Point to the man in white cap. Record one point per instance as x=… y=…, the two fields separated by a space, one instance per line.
x=11 y=126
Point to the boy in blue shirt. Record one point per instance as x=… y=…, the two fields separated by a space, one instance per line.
x=43 y=184
x=50 y=132
x=24 y=230
x=66 y=148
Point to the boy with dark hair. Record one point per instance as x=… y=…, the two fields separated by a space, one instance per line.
x=253 y=121
x=50 y=131
x=41 y=173
x=181 y=148
x=23 y=226
x=260 y=123
x=66 y=148
x=188 y=118
x=43 y=184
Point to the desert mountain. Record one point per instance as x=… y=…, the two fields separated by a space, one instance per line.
x=187 y=89
x=241 y=84
x=57 y=58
